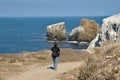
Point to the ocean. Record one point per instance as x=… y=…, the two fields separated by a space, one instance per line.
x=28 y=34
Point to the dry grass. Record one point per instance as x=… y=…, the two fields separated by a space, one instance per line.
x=6 y=69
x=70 y=55
x=16 y=63
x=103 y=66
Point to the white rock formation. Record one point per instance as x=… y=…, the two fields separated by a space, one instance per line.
x=77 y=30
x=56 y=26
x=110 y=28
x=56 y=30
x=92 y=43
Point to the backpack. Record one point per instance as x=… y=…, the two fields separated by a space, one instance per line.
x=55 y=52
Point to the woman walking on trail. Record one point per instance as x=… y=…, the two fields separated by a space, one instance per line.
x=55 y=54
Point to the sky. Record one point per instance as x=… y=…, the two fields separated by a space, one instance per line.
x=26 y=8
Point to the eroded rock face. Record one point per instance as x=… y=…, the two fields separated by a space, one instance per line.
x=93 y=42
x=56 y=30
x=87 y=31
x=110 y=28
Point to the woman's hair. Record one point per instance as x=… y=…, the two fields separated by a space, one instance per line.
x=55 y=44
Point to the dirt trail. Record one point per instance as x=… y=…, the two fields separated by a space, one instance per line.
x=43 y=73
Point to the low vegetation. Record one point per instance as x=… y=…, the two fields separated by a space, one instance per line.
x=104 y=65
x=16 y=63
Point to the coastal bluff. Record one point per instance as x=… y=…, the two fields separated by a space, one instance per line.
x=110 y=29
x=56 y=30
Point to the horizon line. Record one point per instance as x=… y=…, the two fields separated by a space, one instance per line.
x=54 y=16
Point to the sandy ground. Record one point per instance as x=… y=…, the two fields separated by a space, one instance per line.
x=45 y=73
x=33 y=66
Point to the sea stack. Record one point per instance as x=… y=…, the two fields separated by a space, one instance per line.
x=56 y=31
x=86 y=32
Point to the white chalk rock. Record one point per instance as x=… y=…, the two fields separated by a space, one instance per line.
x=56 y=31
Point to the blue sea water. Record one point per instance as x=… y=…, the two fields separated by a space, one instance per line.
x=28 y=34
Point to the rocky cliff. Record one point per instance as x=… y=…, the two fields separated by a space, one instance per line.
x=110 y=28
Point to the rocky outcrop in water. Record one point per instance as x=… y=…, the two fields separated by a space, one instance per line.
x=87 y=31
x=56 y=31
x=110 y=28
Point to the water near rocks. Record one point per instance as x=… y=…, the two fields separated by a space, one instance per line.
x=28 y=34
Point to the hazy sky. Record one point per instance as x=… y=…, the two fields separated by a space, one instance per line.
x=59 y=7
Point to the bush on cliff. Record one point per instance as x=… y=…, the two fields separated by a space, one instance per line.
x=103 y=66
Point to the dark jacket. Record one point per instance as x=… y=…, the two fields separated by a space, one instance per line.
x=55 y=51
